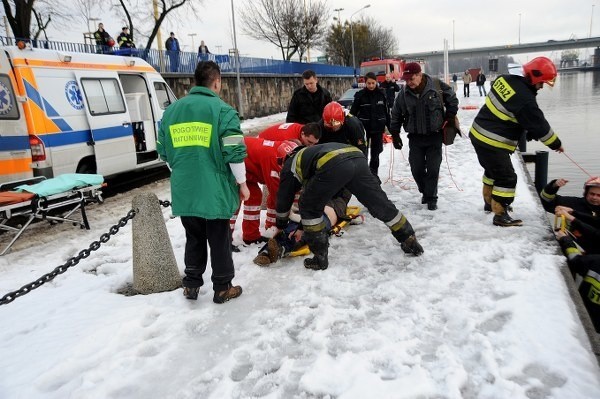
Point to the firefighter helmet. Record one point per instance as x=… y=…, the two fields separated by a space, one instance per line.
x=593 y=181
x=540 y=70
x=333 y=115
x=285 y=149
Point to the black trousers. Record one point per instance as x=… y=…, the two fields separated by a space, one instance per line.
x=498 y=168
x=198 y=233
x=466 y=90
x=355 y=175
x=375 y=142
x=425 y=158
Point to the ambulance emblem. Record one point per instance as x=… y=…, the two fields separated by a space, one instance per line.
x=74 y=95
x=6 y=104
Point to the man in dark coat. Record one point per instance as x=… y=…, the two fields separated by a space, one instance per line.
x=423 y=107
x=308 y=102
x=172 y=46
x=390 y=87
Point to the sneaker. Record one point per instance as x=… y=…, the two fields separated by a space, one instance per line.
x=232 y=291
x=260 y=240
x=412 y=246
x=191 y=292
x=432 y=205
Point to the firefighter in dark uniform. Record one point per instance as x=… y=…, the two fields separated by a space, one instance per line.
x=585 y=269
x=582 y=214
x=337 y=127
x=510 y=111
x=323 y=170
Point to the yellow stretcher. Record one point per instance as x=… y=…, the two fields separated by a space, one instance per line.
x=352 y=212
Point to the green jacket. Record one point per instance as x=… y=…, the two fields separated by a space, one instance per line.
x=199 y=136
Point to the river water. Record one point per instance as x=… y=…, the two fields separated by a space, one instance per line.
x=572 y=107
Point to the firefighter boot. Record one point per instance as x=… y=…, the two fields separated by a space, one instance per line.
x=501 y=216
x=487 y=198
x=318 y=243
x=408 y=242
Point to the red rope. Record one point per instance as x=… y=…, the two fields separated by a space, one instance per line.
x=390 y=178
x=449 y=171
x=576 y=164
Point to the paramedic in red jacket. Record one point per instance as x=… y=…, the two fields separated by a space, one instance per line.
x=263 y=164
x=307 y=135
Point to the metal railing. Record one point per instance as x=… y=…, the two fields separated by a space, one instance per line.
x=184 y=62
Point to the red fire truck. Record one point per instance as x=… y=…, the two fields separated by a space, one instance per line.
x=381 y=67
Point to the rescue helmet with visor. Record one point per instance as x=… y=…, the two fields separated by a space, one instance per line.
x=333 y=115
x=540 y=70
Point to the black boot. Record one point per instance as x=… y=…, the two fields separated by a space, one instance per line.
x=318 y=243
x=501 y=216
x=408 y=242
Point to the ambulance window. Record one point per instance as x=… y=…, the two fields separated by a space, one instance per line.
x=8 y=103
x=103 y=96
x=164 y=95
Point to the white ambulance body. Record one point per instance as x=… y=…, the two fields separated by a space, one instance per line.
x=63 y=112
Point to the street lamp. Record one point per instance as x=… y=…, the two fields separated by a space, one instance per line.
x=591 y=20
x=192 y=36
x=237 y=65
x=338 y=11
x=352 y=38
x=519 y=28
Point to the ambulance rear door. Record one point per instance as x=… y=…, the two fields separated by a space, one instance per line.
x=15 y=153
x=109 y=120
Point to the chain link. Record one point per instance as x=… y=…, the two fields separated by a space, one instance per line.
x=84 y=253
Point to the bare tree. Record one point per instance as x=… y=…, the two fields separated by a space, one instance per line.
x=290 y=25
x=148 y=26
x=29 y=21
x=18 y=13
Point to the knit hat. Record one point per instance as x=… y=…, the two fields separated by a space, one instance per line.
x=410 y=69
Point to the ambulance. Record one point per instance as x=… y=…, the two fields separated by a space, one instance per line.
x=65 y=112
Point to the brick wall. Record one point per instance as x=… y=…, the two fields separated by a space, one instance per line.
x=262 y=95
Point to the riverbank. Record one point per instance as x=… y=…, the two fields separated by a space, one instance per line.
x=483 y=313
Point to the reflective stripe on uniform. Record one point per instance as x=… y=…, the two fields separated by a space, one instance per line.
x=190 y=134
x=397 y=222
x=593 y=295
x=236 y=139
x=496 y=108
x=330 y=155
x=251 y=208
x=504 y=192
x=492 y=139
x=487 y=181
x=549 y=138
x=313 y=225
x=547 y=197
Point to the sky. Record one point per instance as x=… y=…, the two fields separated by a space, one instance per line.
x=483 y=313
x=418 y=26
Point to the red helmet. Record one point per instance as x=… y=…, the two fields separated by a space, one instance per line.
x=285 y=149
x=333 y=115
x=593 y=181
x=540 y=70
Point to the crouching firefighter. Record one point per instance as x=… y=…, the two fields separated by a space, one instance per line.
x=322 y=171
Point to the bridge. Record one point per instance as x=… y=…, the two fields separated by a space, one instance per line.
x=462 y=59
x=508 y=49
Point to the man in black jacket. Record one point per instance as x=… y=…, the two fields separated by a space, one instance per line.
x=308 y=101
x=323 y=170
x=370 y=107
x=419 y=108
x=510 y=110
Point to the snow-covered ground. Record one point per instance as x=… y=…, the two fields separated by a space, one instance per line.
x=484 y=313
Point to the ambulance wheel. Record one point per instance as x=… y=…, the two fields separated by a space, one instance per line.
x=87 y=167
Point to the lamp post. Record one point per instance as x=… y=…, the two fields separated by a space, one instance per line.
x=591 y=20
x=453 y=47
x=237 y=64
x=338 y=17
x=519 y=28
x=352 y=38
x=192 y=36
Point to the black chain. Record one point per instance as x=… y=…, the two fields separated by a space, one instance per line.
x=11 y=296
x=165 y=203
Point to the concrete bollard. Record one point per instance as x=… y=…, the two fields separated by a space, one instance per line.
x=154 y=265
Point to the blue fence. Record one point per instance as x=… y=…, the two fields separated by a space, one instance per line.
x=185 y=62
